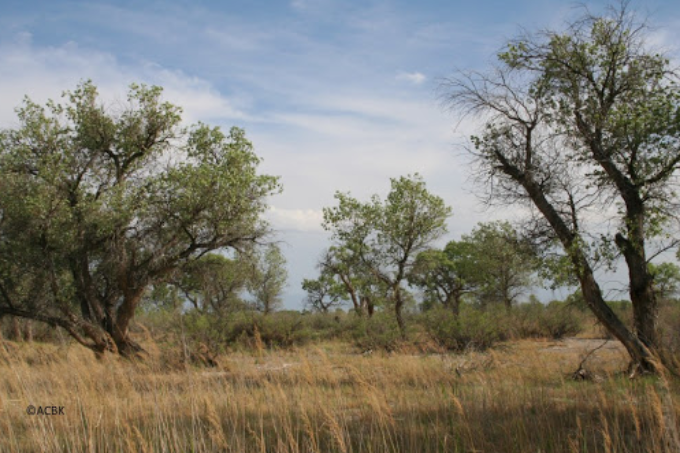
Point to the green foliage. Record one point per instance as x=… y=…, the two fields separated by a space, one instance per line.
x=666 y=279
x=556 y=320
x=580 y=121
x=98 y=206
x=324 y=293
x=382 y=238
x=473 y=329
x=215 y=283
x=268 y=279
x=504 y=264
x=446 y=275
x=379 y=332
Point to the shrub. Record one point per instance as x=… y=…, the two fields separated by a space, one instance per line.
x=669 y=327
x=561 y=320
x=472 y=329
x=380 y=331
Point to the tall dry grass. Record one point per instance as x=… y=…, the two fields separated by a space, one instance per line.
x=516 y=398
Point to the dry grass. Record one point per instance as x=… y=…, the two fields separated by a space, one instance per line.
x=517 y=398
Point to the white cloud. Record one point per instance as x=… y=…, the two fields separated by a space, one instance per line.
x=45 y=72
x=416 y=78
x=295 y=219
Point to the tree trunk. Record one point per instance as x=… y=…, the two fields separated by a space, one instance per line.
x=124 y=314
x=642 y=294
x=16 y=329
x=452 y=302
x=640 y=354
x=367 y=306
x=455 y=306
x=28 y=331
x=357 y=301
x=398 y=308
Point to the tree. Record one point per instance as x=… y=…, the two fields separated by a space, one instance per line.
x=386 y=236
x=666 y=280
x=358 y=284
x=585 y=124
x=214 y=283
x=503 y=263
x=269 y=279
x=445 y=275
x=97 y=206
x=323 y=293
x=492 y=262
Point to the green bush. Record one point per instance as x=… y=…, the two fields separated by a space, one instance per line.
x=669 y=327
x=380 y=331
x=535 y=320
x=472 y=329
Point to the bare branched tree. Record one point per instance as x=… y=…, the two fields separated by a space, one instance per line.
x=584 y=125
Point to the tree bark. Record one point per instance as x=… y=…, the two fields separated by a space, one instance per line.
x=120 y=331
x=452 y=302
x=16 y=329
x=28 y=331
x=398 y=311
x=641 y=355
x=642 y=294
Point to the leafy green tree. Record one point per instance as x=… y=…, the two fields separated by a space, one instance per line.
x=666 y=279
x=323 y=293
x=215 y=283
x=96 y=206
x=386 y=236
x=579 y=122
x=268 y=279
x=359 y=285
x=162 y=297
x=446 y=275
x=504 y=264
x=493 y=263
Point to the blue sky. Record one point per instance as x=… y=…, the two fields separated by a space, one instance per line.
x=335 y=95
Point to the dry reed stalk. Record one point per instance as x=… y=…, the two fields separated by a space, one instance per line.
x=335 y=430
x=214 y=426
x=142 y=445
x=312 y=438
x=259 y=345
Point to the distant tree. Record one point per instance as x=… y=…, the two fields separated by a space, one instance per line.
x=387 y=236
x=666 y=280
x=358 y=283
x=503 y=264
x=446 y=275
x=268 y=279
x=215 y=283
x=323 y=293
x=579 y=122
x=162 y=297
x=98 y=206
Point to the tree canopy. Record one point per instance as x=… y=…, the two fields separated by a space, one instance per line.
x=384 y=237
x=97 y=204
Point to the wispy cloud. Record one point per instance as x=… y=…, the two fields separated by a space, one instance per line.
x=415 y=78
x=45 y=72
